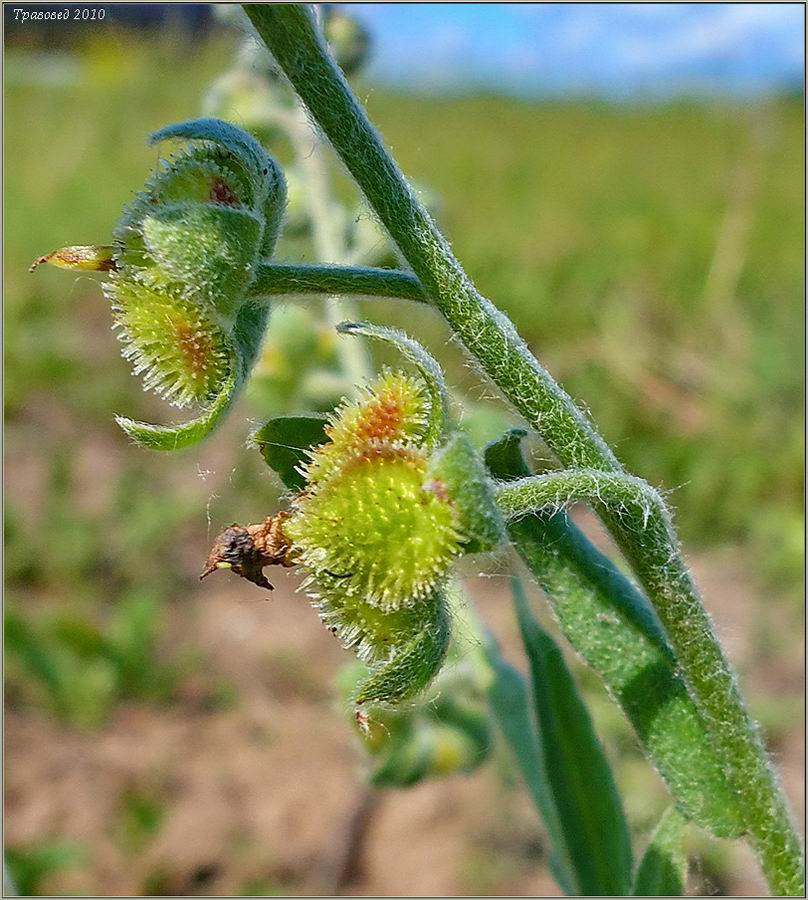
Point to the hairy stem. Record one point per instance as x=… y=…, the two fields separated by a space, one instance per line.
x=656 y=557
x=617 y=633
x=290 y=34
x=290 y=279
x=293 y=39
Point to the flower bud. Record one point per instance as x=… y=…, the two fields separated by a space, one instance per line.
x=445 y=733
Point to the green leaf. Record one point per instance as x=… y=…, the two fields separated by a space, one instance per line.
x=283 y=442
x=586 y=799
x=663 y=869
x=31 y=865
x=510 y=704
x=614 y=629
x=186 y=434
x=428 y=368
x=504 y=458
x=21 y=640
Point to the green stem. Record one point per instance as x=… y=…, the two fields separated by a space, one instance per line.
x=656 y=557
x=291 y=35
x=284 y=279
x=617 y=633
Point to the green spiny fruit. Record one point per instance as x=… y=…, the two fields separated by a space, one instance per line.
x=184 y=355
x=186 y=250
x=378 y=527
x=392 y=412
x=389 y=500
x=184 y=255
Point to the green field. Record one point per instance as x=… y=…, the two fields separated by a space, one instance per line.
x=651 y=255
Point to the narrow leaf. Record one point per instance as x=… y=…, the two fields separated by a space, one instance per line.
x=586 y=799
x=510 y=704
x=504 y=456
x=427 y=367
x=186 y=434
x=663 y=869
x=22 y=641
x=614 y=629
x=283 y=442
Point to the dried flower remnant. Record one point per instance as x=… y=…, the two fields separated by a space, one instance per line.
x=79 y=259
x=246 y=551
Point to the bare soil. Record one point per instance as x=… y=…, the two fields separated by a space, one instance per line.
x=260 y=796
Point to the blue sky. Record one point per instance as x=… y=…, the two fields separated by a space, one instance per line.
x=604 y=49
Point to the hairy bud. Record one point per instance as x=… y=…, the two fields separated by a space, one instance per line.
x=446 y=734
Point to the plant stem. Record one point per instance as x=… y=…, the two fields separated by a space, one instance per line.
x=655 y=557
x=617 y=633
x=290 y=34
x=293 y=39
x=291 y=279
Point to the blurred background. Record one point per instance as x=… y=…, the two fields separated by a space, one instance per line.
x=626 y=181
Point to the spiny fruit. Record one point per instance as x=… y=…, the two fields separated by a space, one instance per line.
x=392 y=412
x=390 y=501
x=378 y=527
x=185 y=252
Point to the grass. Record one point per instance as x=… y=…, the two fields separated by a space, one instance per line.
x=30 y=866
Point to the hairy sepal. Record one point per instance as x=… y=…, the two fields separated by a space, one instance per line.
x=413 y=665
x=185 y=434
x=220 y=260
x=457 y=472
x=444 y=733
